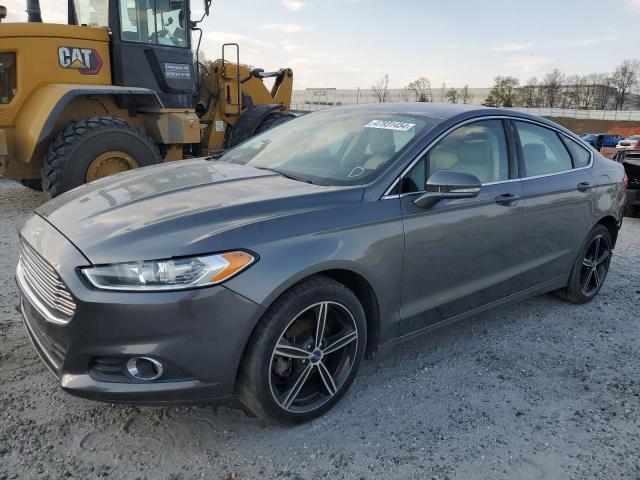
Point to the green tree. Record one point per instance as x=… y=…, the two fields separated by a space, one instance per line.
x=452 y=95
x=503 y=93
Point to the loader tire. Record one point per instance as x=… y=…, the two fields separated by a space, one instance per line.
x=273 y=120
x=94 y=148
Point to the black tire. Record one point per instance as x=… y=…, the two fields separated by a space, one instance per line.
x=576 y=291
x=255 y=386
x=32 y=183
x=273 y=120
x=70 y=154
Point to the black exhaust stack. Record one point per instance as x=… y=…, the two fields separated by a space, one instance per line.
x=33 y=11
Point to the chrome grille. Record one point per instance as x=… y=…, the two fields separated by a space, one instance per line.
x=45 y=283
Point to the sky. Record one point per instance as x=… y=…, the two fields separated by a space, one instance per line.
x=352 y=43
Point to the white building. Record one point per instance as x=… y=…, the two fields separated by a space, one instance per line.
x=320 y=98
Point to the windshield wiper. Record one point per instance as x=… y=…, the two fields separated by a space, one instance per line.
x=286 y=175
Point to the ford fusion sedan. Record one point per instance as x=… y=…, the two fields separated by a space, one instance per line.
x=268 y=274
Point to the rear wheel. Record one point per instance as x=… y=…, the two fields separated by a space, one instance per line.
x=590 y=268
x=304 y=353
x=95 y=148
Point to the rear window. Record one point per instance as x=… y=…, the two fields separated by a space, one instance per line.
x=543 y=151
x=581 y=156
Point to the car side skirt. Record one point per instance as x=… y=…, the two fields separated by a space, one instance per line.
x=546 y=287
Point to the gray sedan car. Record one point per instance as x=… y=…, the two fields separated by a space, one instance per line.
x=267 y=274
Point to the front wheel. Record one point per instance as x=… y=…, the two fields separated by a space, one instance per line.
x=93 y=148
x=304 y=353
x=590 y=268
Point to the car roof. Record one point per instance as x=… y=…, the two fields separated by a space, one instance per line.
x=441 y=111
x=447 y=111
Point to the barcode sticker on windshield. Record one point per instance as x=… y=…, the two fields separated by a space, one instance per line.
x=390 y=125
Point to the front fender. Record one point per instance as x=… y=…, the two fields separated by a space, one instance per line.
x=36 y=123
x=369 y=243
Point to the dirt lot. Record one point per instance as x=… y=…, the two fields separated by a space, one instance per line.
x=543 y=389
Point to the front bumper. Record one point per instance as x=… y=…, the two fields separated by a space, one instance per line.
x=198 y=335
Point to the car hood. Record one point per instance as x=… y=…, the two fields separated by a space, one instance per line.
x=177 y=209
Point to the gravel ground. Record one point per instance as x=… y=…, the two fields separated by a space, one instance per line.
x=542 y=389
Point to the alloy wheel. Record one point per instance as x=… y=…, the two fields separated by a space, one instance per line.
x=313 y=357
x=595 y=265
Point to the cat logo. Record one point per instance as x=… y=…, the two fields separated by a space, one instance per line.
x=85 y=60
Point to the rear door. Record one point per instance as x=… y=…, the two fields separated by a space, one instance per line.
x=461 y=254
x=559 y=191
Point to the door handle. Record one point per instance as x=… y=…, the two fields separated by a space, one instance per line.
x=507 y=199
x=584 y=186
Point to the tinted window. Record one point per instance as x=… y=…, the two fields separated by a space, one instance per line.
x=479 y=148
x=581 y=156
x=543 y=150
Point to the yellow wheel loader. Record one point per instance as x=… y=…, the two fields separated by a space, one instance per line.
x=120 y=87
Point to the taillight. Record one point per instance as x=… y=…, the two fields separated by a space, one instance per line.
x=625 y=181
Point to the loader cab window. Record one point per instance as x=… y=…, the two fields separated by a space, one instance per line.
x=93 y=13
x=158 y=22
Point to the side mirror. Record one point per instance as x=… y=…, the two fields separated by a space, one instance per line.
x=207 y=6
x=448 y=184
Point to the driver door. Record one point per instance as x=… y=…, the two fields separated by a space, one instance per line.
x=461 y=254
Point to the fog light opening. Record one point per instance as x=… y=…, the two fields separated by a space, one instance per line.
x=144 y=368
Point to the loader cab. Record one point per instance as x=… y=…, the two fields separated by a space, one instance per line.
x=150 y=44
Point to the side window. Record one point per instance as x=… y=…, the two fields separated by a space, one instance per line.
x=542 y=149
x=171 y=22
x=137 y=22
x=581 y=156
x=479 y=148
x=161 y=22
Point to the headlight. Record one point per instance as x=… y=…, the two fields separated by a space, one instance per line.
x=175 y=274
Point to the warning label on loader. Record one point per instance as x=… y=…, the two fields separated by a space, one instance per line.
x=179 y=71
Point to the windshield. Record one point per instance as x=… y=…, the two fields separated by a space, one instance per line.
x=335 y=147
x=93 y=13
x=634 y=137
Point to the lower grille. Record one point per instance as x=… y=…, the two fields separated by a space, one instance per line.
x=108 y=369
x=51 y=352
